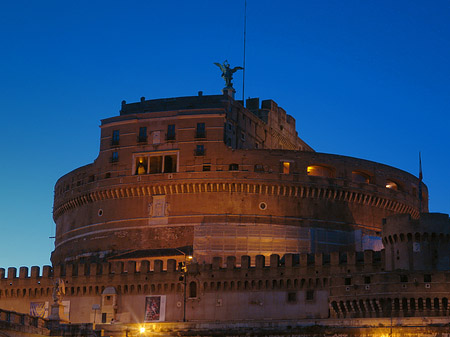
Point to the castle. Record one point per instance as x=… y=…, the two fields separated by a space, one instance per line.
x=202 y=209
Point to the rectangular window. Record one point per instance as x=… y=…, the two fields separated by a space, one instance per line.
x=141 y=165
x=103 y=317
x=155 y=164
x=427 y=278
x=403 y=278
x=115 y=137
x=348 y=281
x=259 y=168
x=286 y=167
x=171 y=132
x=200 y=150
x=310 y=295
x=206 y=167
x=142 y=134
x=200 y=131
x=233 y=167
x=170 y=164
x=115 y=157
x=367 y=279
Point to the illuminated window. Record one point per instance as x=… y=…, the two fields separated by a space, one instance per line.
x=200 y=133
x=157 y=162
x=171 y=132
x=359 y=177
x=286 y=167
x=141 y=165
x=115 y=137
x=206 y=167
x=142 y=134
x=319 y=171
x=391 y=185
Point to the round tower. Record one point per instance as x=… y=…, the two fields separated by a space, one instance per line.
x=417 y=244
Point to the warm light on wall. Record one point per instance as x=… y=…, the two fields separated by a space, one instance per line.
x=319 y=171
x=286 y=167
x=391 y=185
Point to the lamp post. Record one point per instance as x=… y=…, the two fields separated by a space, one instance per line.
x=183 y=268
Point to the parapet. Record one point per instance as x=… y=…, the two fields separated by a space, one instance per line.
x=316 y=261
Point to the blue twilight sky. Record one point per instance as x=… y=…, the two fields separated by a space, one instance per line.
x=368 y=79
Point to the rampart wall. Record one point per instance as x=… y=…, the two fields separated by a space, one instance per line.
x=297 y=286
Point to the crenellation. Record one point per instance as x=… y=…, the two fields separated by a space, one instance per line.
x=106 y=268
x=2 y=273
x=289 y=261
x=260 y=261
x=231 y=262
x=351 y=258
x=58 y=271
x=23 y=272
x=117 y=267
x=303 y=260
x=274 y=261
x=82 y=269
x=216 y=262
x=158 y=266
x=171 y=265
x=12 y=271
x=131 y=267
x=318 y=259
x=94 y=269
x=35 y=272
x=334 y=258
x=245 y=262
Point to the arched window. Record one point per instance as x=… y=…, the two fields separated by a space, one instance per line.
x=391 y=185
x=192 y=289
x=360 y=177
x=320 y=171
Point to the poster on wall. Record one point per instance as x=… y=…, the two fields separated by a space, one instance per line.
x=155 y=308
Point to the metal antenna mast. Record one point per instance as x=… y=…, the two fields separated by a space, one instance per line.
x=245 y=36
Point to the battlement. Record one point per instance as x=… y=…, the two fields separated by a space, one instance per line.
x=316 y=261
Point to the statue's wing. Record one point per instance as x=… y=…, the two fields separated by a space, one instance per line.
x=220 y=66
x=236 y=69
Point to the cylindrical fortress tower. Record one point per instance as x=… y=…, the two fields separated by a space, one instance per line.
x=417 y=244
x=207 y=173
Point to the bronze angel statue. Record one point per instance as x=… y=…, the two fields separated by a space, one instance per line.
x=227 y=72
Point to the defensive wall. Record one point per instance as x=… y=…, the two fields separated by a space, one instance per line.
x=303 y=286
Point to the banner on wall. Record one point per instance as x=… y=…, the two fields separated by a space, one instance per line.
x=39 y=309
x=155 y=308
